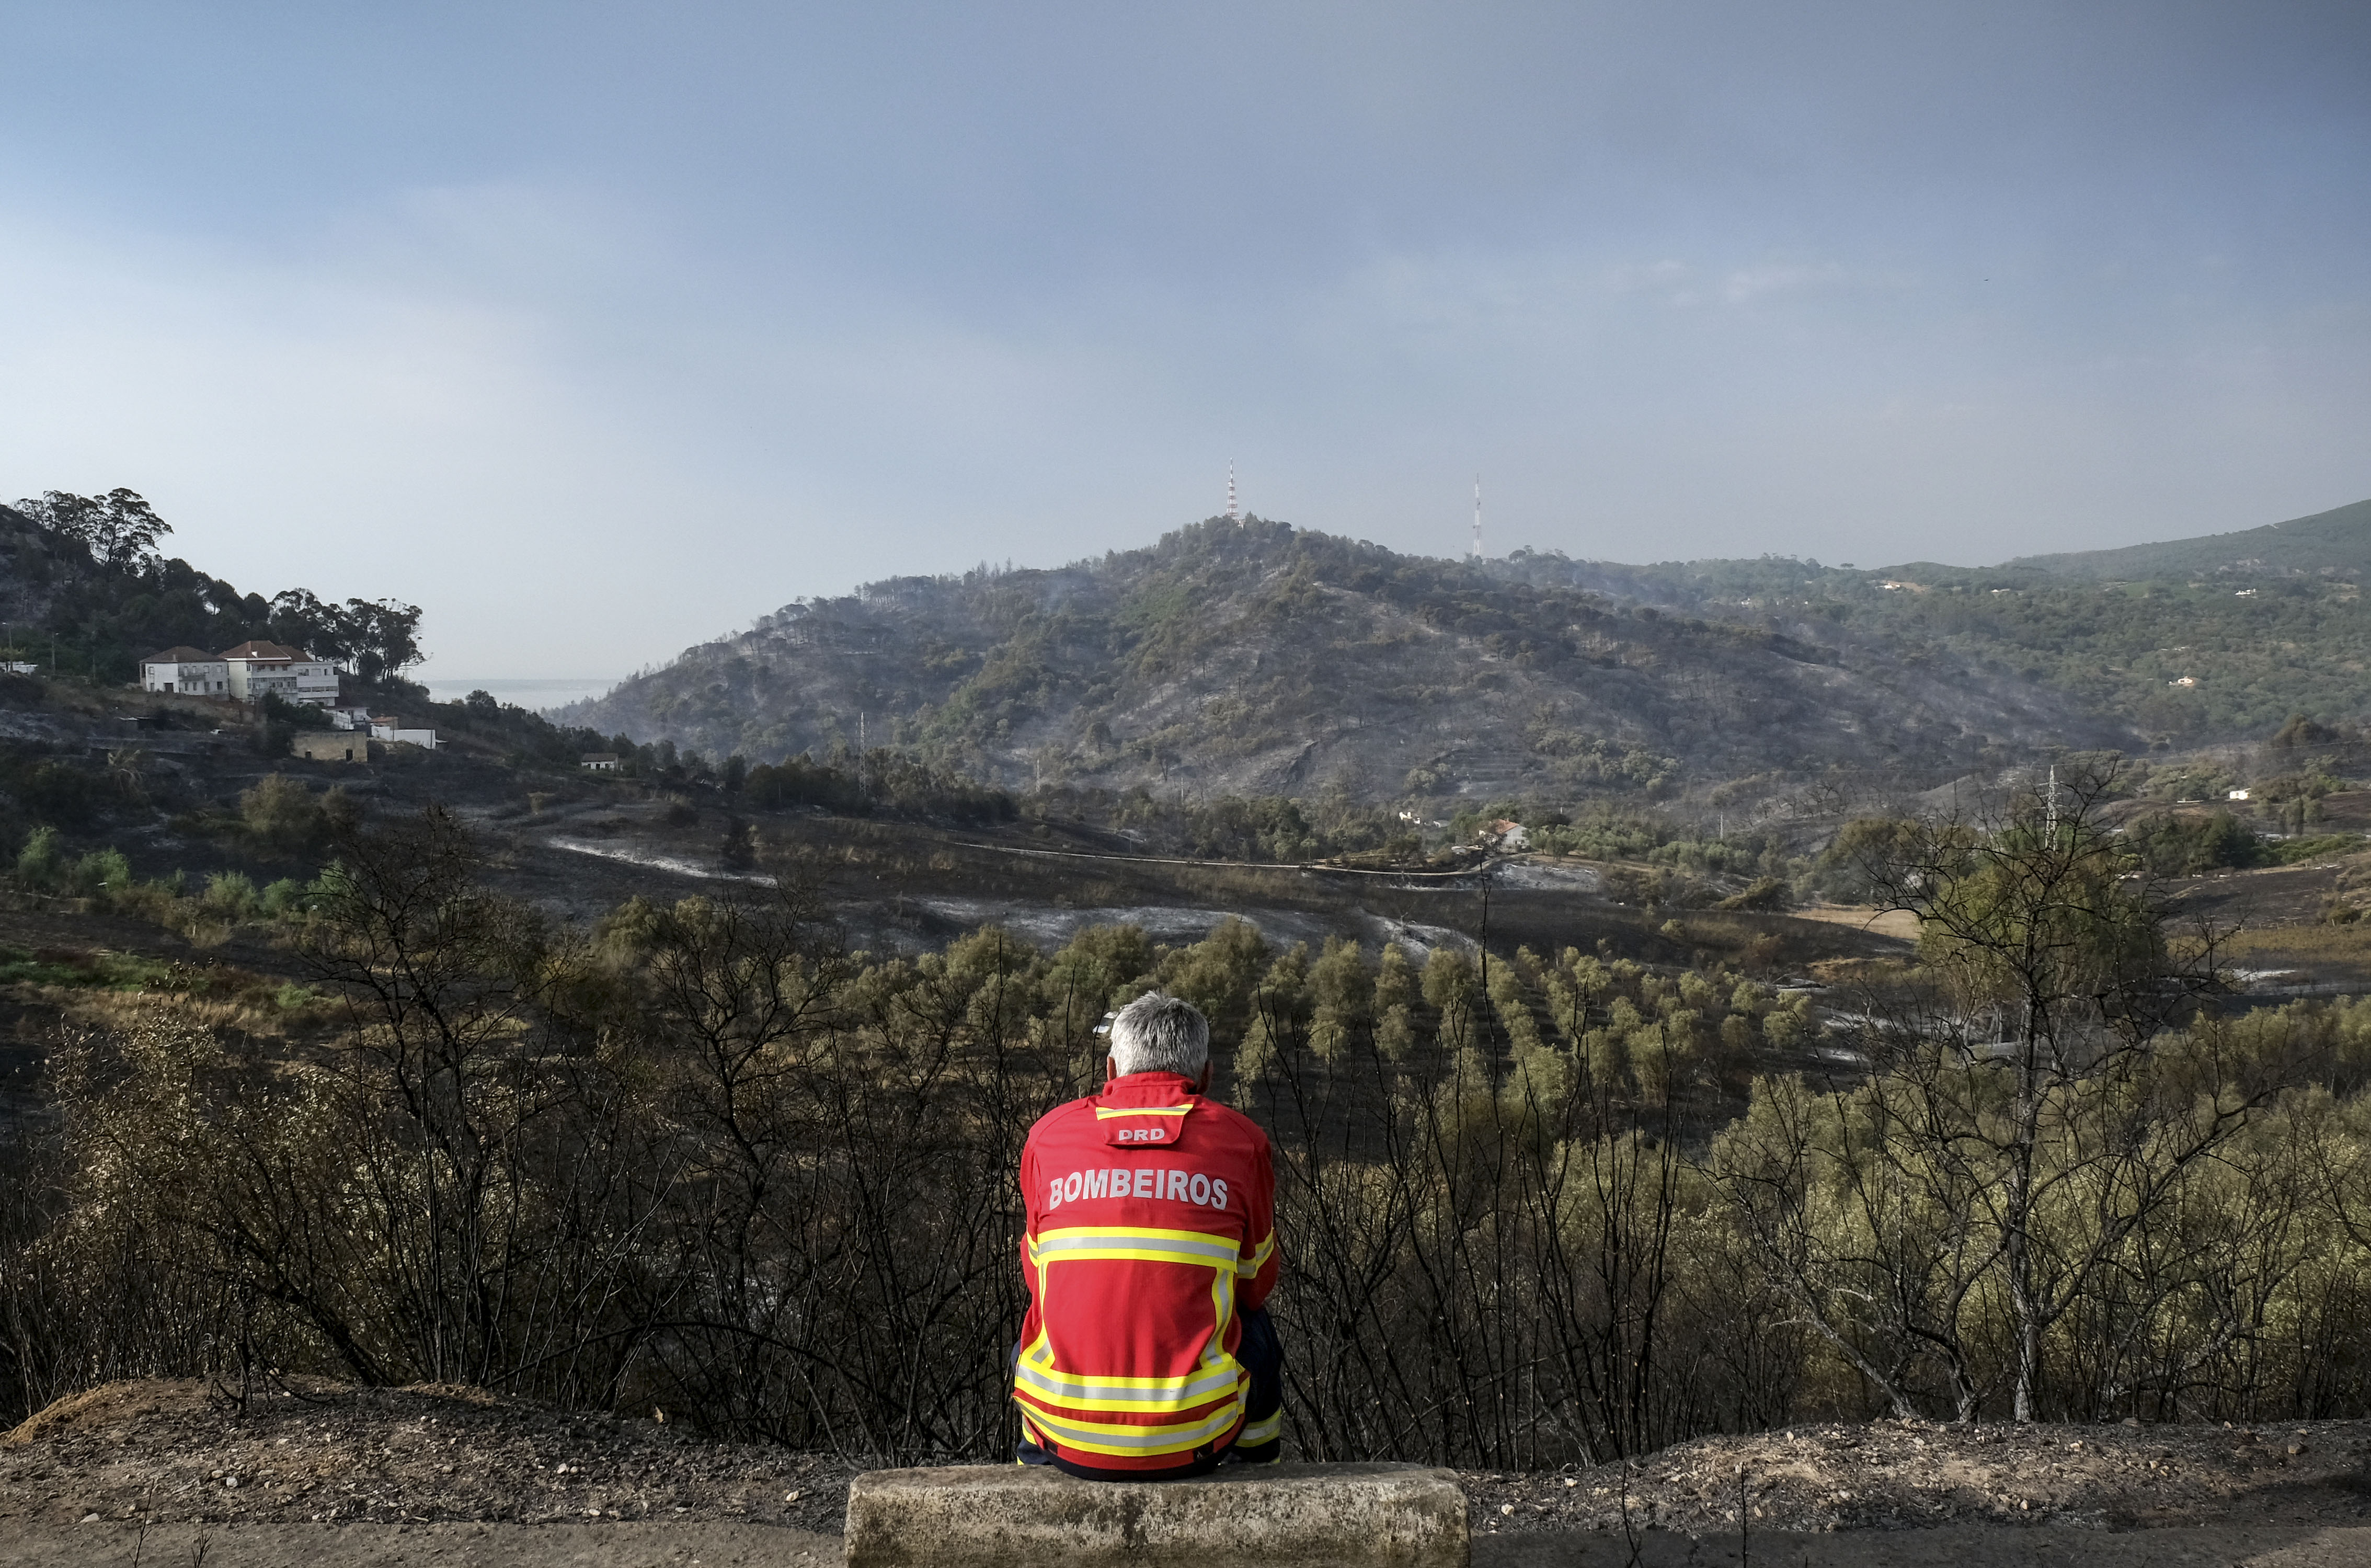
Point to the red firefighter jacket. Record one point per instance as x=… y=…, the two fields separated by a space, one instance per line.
x=1150 y=1228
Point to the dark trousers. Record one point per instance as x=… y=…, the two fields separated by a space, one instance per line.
x=1262 y=1354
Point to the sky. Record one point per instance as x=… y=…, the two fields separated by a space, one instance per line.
x=600 y=330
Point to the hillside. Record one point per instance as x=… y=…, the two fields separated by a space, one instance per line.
x=2192 y=641
x=1260 y=659
x=2333 y=543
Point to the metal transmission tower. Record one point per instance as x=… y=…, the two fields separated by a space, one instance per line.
x=1234 y=513
x=1477 y=517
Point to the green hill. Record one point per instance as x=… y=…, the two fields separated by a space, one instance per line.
x=2336 y=543
x=2205 y=640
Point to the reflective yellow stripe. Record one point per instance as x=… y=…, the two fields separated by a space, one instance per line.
x=1104 y=1116
x=1035 y=1377
x=1109 y=1437
x=1258 y=1260
x=1208 y=1379
x=1255 y=1433
x=1090 y=1244
x=1144 y=1403
x=1148 y=1394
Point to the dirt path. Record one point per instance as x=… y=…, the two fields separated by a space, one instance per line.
x=638 y=1545
x=1895 y=1475
x=172 y=1475
x=174 y=1452
x=1958 y=1545
x=418 y=1546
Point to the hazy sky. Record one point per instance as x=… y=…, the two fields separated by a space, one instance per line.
x=598 y=329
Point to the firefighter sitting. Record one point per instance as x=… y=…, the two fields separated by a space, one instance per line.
x=1150 y=1253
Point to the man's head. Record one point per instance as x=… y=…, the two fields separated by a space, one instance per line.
x=1156 y=1033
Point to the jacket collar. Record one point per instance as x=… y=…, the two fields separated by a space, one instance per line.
x=1148 y=1088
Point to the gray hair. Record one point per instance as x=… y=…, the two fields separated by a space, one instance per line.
x=1157 y=1033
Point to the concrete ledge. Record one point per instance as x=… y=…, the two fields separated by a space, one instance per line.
x=1370 y=1516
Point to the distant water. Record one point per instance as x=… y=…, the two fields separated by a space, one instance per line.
x=549 y=692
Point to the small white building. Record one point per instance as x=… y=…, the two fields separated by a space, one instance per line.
x=387 y=730
x=1505 y=834
x=289 y=673
x=185 y=672
x=599 y=762
x=350 y=717
x=2238 y=795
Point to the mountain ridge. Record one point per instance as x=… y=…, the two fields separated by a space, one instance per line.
x=2338 y=540
x=1261 y=658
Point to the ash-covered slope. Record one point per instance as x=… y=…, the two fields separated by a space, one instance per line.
x=1257 y=658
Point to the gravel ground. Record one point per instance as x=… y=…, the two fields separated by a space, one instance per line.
x=1899 y=1475
x=172 y=1454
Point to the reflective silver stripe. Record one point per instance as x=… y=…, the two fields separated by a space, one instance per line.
x=1091 y=1438
x=1215 y=1250
x=1190 y=1393
x=1258 y=1432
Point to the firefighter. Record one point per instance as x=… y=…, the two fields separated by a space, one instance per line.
x=1149 y=1253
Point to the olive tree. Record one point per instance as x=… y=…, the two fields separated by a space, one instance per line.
x=2020 y=1116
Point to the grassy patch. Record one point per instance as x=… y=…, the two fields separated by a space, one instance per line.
x=2292 y=851
x=2278 y=946
x=100 y=970
x=104 y=971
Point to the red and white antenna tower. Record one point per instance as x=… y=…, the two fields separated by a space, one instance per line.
x=1233 y=513
x=1477 y=517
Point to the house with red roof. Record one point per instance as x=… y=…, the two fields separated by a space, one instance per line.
x=290 y=674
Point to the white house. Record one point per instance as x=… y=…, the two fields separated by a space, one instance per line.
x=2238 y=795
x=599 y=762
x=1506 y=836
x=288 y=673
x=185 y=670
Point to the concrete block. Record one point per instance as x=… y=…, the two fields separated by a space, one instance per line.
x=1365 y=1515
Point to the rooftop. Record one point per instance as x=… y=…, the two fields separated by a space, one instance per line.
x=253 y=649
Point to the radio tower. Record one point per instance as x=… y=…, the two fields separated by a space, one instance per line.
x=1234 y=515
x=1477 y=517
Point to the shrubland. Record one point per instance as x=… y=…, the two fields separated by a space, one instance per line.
x=1537 y=1205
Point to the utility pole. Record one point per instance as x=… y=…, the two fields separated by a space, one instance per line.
x=1477 y=517
x=1234 y=513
